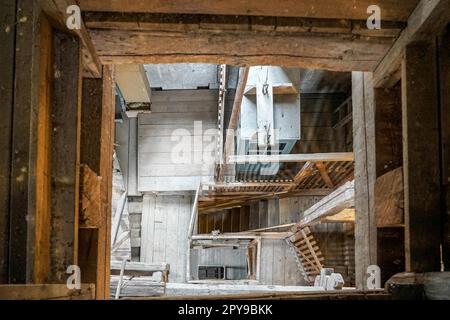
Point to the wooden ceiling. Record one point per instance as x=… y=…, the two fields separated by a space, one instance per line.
x=392 y=10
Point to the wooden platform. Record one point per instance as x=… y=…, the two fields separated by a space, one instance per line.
x=317 y=178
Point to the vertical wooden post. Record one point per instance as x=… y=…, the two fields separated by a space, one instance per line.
x=365 y=174
x=97 y=134
x=444 y=72
x=421 y=158
x=65 y=161
x=7 y=37
x=24 y=142
x=43 y=172
x=106 y=171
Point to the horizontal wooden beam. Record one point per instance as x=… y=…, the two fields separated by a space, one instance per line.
x=310 y=43
x=428 y=19
x=392 y=10
x=46 y=292
x=313 y=157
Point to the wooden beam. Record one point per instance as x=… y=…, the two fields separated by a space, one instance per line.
x=421 y=163
x=46 y=292
x=323 y=172
x=340 y=199
x=43 y=174
x=328 y=9
x=365 y=175
x=427 y=20
x=234 y=118
x=444 y=72
x=340 y=45
x=305 y=157
x=7 y=15
x=65 y=160
x=56 y=11
x=96 y=153
x=106 y=166
x=24 y=142
x=304 y=172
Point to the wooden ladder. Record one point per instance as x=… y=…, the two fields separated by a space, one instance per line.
x=307 y=252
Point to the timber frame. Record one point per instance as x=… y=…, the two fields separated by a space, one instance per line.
x=46 y=66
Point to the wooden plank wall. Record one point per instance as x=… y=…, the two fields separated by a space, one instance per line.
x=174 y=112
x=43 y=175
x=278 y=264
x=317 y=133
x=165 y=220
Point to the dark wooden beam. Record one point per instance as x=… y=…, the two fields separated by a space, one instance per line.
x=334 y=45
x=365 y=175
x=444 y=73
x=328 y=9
x=428 y=19
x=24 y=142
x=7 y=38
x=66 y=114
x=421 y=163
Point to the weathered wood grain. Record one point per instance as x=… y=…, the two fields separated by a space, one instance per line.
x=392 y=10
x=421 y=165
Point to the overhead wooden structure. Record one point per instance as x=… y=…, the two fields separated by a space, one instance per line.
x=314 y=178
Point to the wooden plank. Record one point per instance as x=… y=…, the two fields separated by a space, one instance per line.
x=171 y=242
x=7 y=38
x=444 y=67
x=428 y=19
x=389 y=195
x=147 y=231
x=363 y=146
x=56 y=11
x=314 y=157
x=66 y=114
x=254 y=215
x=91 y=214
x=91 y=116
x=235 y=216
x=273 y=218
x=421 y=141
x=342 y=198
x=24 y=142
x=43 y=217
x=234 y=118
x=46 y=292
x=324 y=174
x=392 y=10
x=245 y=218
x=209 y=46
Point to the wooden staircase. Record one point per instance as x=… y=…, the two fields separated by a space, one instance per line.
x=307 y=252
